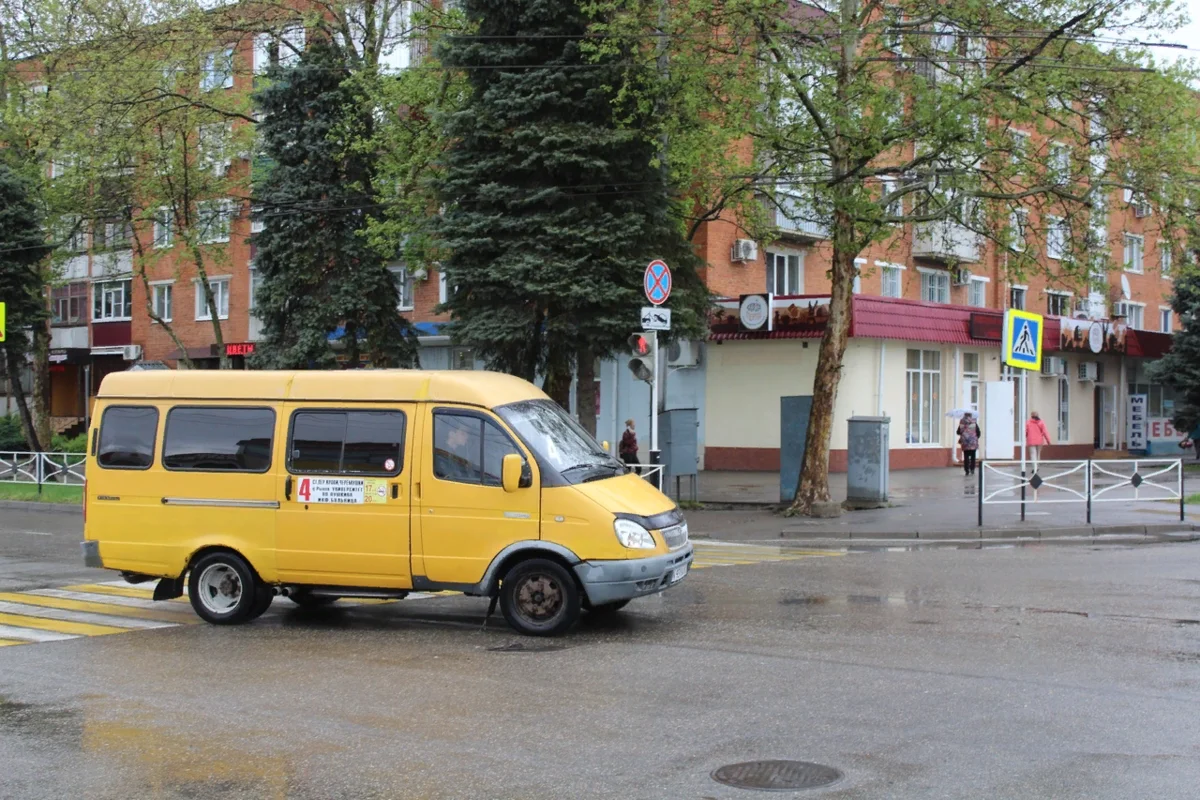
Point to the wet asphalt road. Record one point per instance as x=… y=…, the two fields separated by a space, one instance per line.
x=1069 y=672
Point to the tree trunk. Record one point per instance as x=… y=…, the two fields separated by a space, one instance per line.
x=558 y=376
x=585 y=391
x=13 y=361
x=41 y=382
x=211 y=303
x=814 y=470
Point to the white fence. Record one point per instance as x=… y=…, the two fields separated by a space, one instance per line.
x=1129 y=480
x=64 y=469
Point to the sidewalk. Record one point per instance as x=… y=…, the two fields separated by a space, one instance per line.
x=936 y=504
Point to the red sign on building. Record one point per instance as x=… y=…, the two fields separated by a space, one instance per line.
x=239 y=348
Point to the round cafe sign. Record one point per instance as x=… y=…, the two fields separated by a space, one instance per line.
x=754 y=312
x=1096 y=337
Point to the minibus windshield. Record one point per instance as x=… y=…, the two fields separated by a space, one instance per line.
x=559 y=442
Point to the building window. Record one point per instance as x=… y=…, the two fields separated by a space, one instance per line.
x=1059 y=167
x=924 y=405
x=896 y=207
x=164 y=228
x=74 y=234
x=255 y=287
x=935 y=287
x=404 y=288
x=977 y=293
x=210 y=146
x=69 y=304
x=1018 y=223
x=1056 y=237
x=257 y=222
x=1166 y=320
x=213 y=218
x=785 y=273
x=443 y=287
x=113 y=233
x=1064 y=410
x=1020 y=146
x=971 y=382
x=1134 y=253
x=220 y=294
x=161 y=300
x=216 y=70
x=1016 y=297
x=112 y=301
x=283 y=48
x=1164 y=258
x=1134 y=314
x=889 y=280
x=1058 y=304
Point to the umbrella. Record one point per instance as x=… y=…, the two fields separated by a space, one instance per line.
x=959 y=413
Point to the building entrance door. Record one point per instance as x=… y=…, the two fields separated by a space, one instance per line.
x=1105 y=417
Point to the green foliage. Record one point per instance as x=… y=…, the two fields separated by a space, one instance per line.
x=72 y=444
x=1180 y=368
x=553 y=199
x=12 y=435
x=318 y=269
x=22 y=248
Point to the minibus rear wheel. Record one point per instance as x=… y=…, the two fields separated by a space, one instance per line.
x=223 y=589
x=539 y=598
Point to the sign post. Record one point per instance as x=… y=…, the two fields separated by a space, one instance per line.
x=656 y=282
x=1023 y=334
x=3 y=319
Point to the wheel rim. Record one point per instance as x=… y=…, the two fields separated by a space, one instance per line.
x=220 y=588
x=540 y=598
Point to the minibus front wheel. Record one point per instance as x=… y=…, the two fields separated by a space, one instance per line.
x=539 y=597
x=223 y=589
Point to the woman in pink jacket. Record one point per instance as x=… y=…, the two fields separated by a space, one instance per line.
x=1036 y=436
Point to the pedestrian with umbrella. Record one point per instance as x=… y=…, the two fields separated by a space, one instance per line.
x=958 y=414
x=968 y=439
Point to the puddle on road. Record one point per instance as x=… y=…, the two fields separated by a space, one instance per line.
x=38 y=721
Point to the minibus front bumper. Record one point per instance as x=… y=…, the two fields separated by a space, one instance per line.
x=610 y=581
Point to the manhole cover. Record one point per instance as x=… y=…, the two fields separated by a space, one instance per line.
x=521 y=647
x=776 y=776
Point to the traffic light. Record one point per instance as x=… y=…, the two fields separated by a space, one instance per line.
x=642 y=362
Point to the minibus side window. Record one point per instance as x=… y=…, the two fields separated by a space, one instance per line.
x=218 y=439
x=347 y=442
x=469 y=449
x=127 y=437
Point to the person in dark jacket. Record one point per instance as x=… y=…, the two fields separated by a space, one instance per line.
x=628 y=449
x=968 y=439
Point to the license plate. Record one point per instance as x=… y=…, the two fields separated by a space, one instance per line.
x=678 y=573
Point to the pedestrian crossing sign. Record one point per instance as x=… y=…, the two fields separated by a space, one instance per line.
x=3 y=322
x=1023 y=339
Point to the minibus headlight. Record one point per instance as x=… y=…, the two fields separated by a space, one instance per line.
x=630 y=534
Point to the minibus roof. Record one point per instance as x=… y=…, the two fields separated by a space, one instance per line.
x=486 y=389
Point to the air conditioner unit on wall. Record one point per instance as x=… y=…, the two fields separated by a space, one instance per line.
x=1089 y=371
x=1054 y=365
x=961 y=276
x=685 y=353
x=744 y=250
x=132 y=352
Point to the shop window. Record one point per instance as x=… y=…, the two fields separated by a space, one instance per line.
x=1064 y=410
x=923 y=398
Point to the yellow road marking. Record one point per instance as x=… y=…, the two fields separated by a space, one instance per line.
x=120 y=591
x=168 y=614
x=58 y=626
x=7 y=642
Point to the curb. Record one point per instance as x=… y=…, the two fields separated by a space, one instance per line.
x=867 y=544
x=968 y=534
x=49 y=508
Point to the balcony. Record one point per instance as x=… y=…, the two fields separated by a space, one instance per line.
x=74 y=337
x=111 y=263
x=797 y=219
x=946 y=242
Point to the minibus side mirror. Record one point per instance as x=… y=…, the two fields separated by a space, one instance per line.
x=510 y=472
x=605 y=445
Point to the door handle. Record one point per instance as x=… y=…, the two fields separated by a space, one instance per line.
x=395 y=490
x=287 y=488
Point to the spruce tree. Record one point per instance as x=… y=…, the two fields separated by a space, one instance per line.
x=22 y=249
x=553 y=199
x=1180 y=368
x=317 y=267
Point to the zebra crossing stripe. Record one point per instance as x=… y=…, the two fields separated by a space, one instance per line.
x=32 y=635
x=91 y=617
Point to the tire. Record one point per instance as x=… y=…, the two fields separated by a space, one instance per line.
x=223 y=589
x=266 y=595
x=539 y=597
x=608 y=609
x=306 y=599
